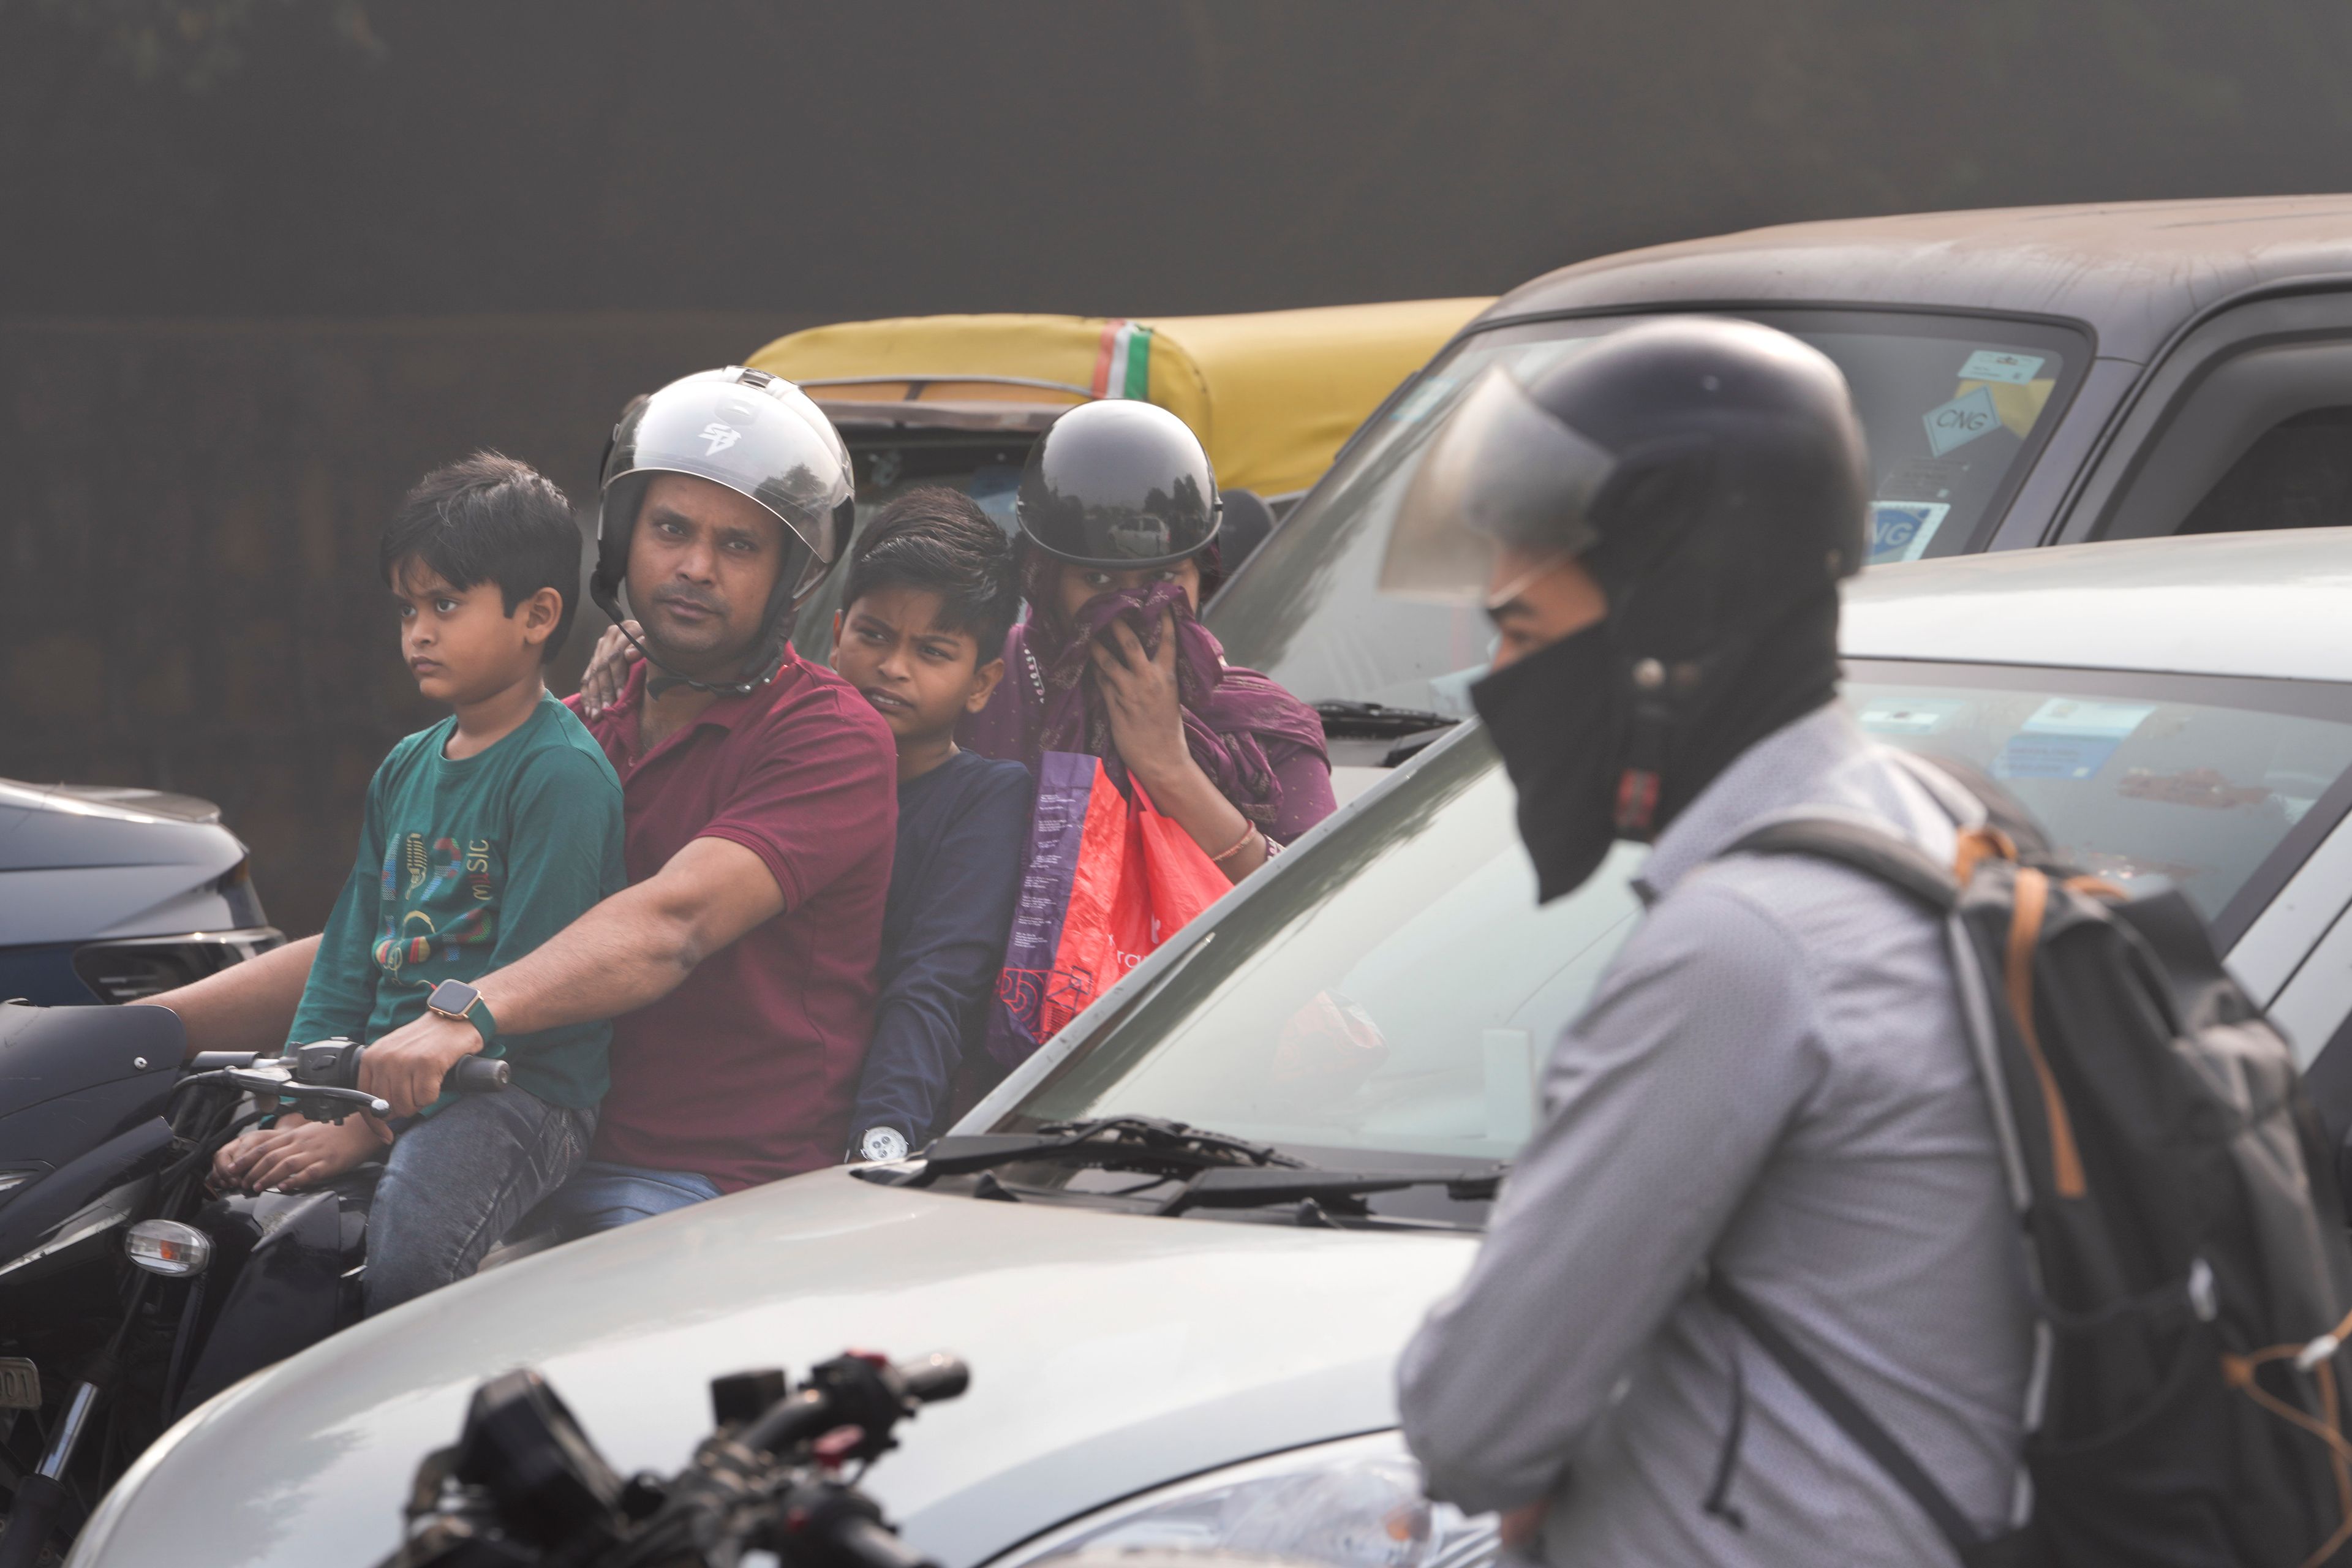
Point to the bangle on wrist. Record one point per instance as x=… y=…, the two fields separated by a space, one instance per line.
x=1249 y=831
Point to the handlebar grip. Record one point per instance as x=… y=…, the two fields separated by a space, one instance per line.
x=866 y=1544
x=478 y=1075
x=938 y=1375
x=214 y=1061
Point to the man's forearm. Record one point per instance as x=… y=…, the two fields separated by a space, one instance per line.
x=247 y=1006
x=626 y=952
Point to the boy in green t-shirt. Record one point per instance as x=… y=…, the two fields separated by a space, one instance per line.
x=486 y=834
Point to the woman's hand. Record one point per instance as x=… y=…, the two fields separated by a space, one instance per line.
x=1147 y=724
x=608 y=670
x=1146 y=715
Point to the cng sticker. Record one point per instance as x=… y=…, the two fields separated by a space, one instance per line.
x=1961 y=421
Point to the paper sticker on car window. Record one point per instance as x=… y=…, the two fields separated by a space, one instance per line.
x=1908 y=715
x=1902 y=529
x=2074 y=716
x=1963 y=419
x=1998 y=365
x=2068 y=738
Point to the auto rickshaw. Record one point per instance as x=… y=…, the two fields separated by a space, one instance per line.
x=957 y=399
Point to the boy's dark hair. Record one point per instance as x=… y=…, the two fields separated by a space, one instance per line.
x=937 y=541
x=488 y=518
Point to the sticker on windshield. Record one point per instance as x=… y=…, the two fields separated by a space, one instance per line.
x=1902 y=529
x=2074 y=716
x=1995 y=364
x=1961 y=421
x=1909 y=716
x=2068 y=738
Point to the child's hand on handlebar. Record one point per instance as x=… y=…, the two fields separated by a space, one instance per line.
x=405 y=1068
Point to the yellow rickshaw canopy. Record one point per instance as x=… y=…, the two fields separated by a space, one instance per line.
x=1270 y=394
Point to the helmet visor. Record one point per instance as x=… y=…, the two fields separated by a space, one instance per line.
x=1502 y=475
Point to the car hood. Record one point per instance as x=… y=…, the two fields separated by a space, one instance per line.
x=1109 y=1353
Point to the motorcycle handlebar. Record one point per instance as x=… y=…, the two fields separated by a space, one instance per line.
x=935 y=1376
x=814 y=1411
x=478 y=1075
x=862 y=1544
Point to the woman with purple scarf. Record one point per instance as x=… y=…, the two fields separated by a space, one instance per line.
x=1119 y=512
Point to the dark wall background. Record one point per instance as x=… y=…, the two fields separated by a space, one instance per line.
x=263 y=261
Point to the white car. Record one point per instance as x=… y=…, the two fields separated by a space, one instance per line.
x=1378 y=1000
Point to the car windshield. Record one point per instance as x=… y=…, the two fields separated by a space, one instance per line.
x=1953 y=407
x=1392 y=992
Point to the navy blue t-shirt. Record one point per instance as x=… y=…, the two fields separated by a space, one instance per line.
x=963 y=828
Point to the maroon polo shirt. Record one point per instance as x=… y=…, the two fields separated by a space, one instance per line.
x=746 y=1072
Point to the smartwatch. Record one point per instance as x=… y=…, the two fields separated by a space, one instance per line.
x=456 y=999
x=882 y=1143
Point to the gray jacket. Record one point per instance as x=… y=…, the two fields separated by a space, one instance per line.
x=1773 y=1079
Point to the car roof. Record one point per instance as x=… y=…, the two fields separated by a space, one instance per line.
x=2133 y=271
x=2272 y=605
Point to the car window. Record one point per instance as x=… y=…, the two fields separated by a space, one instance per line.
x=1953 y=407
x=2262 y=440
x=1395 y=988
x=2297 y=474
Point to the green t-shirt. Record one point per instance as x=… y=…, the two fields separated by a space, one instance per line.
x=463 y=867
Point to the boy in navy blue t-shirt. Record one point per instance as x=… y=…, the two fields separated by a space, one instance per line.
x=932 y=591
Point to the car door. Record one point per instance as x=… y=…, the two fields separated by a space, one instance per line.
x=2246 y=423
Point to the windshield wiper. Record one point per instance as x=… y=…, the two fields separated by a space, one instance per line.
x=1346 y=720
x=1112 y=1142
x=1241 y=1187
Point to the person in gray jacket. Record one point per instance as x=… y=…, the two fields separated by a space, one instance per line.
x=1772 y=1085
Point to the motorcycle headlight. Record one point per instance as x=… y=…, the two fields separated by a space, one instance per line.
x=1354 y=1504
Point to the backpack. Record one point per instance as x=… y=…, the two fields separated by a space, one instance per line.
x=2184 y=1238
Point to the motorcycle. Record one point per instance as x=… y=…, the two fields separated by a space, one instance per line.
x=129 y=1292
x=524 y=1486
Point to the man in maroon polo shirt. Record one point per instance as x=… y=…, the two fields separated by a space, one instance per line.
x=761 y=800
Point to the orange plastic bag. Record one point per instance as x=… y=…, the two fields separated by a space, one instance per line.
x=1107 y=882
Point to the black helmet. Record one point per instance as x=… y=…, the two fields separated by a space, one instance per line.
x=1711 y=475
x=1118 y=484
x=1722 y=453
x=759 y=435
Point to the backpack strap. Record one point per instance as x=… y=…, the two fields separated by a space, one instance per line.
x=1870 y=850
x=1879 y=854
x=1856 y=1422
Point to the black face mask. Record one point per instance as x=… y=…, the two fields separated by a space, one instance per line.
x=1554 y=718
x=1561 y=717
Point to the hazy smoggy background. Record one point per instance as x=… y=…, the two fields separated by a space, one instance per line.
x=263 y=261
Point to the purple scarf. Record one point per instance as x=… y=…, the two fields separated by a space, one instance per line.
x=1047 y=702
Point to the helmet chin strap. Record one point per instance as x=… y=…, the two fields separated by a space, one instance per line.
x=776 y=633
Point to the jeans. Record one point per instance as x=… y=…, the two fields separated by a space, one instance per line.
x=606 y=1196
x=458 y=1180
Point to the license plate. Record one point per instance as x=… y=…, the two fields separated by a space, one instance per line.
x=20 y=1383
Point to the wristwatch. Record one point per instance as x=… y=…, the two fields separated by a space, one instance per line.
x=882 y=1143
x=456 y=999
